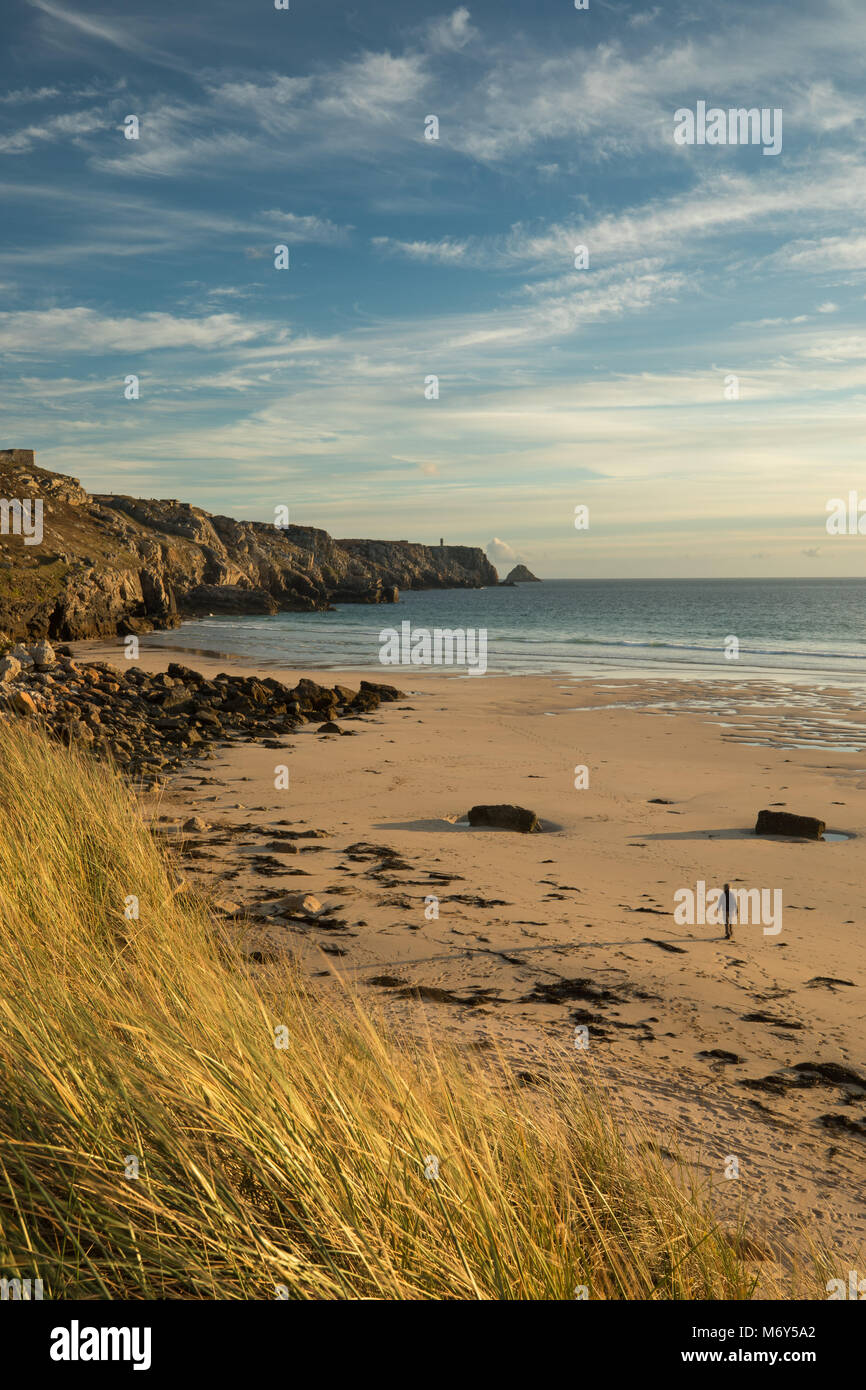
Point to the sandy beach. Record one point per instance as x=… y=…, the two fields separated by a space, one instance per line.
x=496 y=939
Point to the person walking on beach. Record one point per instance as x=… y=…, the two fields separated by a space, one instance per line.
x=727 y=905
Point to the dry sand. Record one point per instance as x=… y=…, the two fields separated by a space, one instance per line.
x=589 y=901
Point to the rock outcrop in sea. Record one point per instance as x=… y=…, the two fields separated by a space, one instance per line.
x=521 y=575
x=107 y=564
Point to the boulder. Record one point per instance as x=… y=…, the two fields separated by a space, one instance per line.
x=505 y=817
x=329 y=727
x=784 y=823
x=134 y=627
x=226 y=907
x=204 y=715
x=385 y=692
x=185 y=674
x=294 y=904
x=10 y=667
x=229 y=598
x=21 y=702
x=177 y=701
x=313 y=699
x=43 y=656
x=365 y=702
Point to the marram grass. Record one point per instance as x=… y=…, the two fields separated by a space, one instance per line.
x=264 y=1171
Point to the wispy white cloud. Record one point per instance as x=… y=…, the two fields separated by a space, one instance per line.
x=356 y=108
x=139 y=225
x=451 y=33
x=26 y=94
x=127 y=37
x=823 y=254
x=611 y=98
x=675 y=226
x=65 y=91
x=644 y=17
x=69 y=125
x=299 y=228
x=81 y=329
x=163 y=150
x=837 y=347
x=444 y=252
x=114 y=34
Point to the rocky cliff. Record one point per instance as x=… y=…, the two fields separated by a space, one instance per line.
x=75 y=565
x=408 y=565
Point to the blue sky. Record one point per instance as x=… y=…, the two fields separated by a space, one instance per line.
x=558 y=386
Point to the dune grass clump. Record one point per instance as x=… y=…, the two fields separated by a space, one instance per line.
x=284 y=1146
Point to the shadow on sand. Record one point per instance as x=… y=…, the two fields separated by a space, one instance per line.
x=461 y=827
x=745 y=833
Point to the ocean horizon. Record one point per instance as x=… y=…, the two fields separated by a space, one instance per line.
x=810 y=630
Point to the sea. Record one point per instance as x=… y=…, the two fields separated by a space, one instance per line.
x=806 y=630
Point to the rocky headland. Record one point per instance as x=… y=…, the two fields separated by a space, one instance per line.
x=105 y=565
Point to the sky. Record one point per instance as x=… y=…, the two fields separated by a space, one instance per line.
x=698 y=386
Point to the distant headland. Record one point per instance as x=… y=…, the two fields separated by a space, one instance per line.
x=79 y=565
